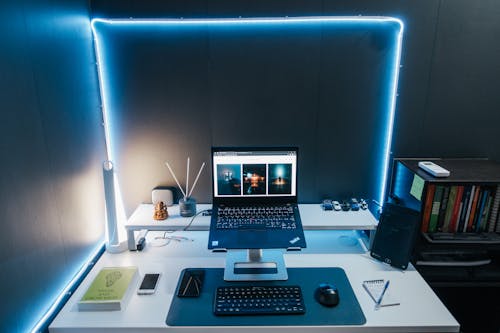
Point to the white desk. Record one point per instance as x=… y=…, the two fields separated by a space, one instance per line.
x=420 y=309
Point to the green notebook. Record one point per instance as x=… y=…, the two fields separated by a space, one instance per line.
x=109 y=289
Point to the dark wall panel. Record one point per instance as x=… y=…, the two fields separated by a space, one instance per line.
x=176 y=91
x=420 y=19
x=446 y=88
x=272 y=97
x=51 y=148
x=462 y=116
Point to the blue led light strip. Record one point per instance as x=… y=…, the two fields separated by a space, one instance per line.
x=277 y=20
x=392 y=111
x=65 y=294
x=255 y=21
x=102 y=89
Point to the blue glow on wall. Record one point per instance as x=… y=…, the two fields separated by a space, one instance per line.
x=110 y=111
x=58 y=299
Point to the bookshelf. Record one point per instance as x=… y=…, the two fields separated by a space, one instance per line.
x=459 y=243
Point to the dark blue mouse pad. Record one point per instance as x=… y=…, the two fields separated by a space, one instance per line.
x=197 y=311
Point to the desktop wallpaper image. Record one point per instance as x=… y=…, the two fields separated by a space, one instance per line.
x=279 y=181
x=254 y=179
x=229 y=179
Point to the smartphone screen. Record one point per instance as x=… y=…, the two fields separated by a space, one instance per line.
x=149 y=283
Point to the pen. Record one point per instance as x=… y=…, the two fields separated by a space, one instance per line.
x=377 y=305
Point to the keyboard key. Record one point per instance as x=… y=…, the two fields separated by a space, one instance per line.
x=258 y=300
x=268 y=217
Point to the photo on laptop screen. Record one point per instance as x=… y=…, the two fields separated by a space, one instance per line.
x=254 y=173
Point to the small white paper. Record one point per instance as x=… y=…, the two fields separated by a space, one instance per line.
x=375 y=288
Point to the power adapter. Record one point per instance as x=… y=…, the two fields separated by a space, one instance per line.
x=141 y=240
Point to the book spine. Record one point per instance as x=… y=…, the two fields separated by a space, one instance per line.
x=449 y=208
x=435 y=208
x=494 y=210
x=486 y=213
x=463 y=208
x=469 y=206
x=442 y=208
x=456 y=208
x=484 y=196
x=473 y=209
x=478 y=210
x=427 y=207
x=497 y=226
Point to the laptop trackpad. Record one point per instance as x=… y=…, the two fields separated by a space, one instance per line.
x=253 y=236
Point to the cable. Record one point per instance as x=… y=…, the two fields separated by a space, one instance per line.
x=192 y=219
x=178 y=238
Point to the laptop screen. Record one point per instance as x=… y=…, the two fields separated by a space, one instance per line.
x=259 y=173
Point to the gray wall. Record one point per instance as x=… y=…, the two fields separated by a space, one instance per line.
x=459 y=114
x=447 y=103
x=51 y=148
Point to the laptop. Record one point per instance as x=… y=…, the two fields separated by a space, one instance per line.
x=255 y=199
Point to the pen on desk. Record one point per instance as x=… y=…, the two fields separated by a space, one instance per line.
x=377 y=305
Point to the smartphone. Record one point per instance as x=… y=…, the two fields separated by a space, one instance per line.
x=148 y=284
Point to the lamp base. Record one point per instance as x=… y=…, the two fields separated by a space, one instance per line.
x=116 y=248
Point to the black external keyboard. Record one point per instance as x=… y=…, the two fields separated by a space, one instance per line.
x=261 y=217
x=258 y=300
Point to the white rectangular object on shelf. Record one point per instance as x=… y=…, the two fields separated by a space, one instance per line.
x=433 y=169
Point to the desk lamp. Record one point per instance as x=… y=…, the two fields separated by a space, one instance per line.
x=113 y=244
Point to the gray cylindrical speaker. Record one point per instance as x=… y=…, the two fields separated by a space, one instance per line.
x=109 y=197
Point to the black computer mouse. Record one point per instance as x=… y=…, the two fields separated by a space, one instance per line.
x=327 y=294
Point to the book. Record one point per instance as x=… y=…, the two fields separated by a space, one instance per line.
x=456 y=209
x=427 y=207
x=436 y=204
x=463 y=208
x=374 y=288
x=442 y=208
x=494 y=210
x=449 y=208
x=457 y=225
x=110 y=289
x=473 y=209
x=486 y=213
x=497 y=226
x=469 y=207
x=479 y=213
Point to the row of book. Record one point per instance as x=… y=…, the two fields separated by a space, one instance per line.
x=461 y=208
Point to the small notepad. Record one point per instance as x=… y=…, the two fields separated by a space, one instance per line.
x=374 y=289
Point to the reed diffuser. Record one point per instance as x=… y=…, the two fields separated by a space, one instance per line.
x=187 y=204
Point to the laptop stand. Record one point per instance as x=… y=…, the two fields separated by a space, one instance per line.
x=255 y=265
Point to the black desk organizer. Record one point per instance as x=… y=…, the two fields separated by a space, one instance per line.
x=198 y=311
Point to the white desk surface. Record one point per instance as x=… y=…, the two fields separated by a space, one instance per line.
x=420 y=309
x=312 y=215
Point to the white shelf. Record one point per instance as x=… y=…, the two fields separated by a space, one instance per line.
x=313 y=218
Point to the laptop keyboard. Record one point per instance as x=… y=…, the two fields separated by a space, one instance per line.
x=258 y=300
x=257 y=217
